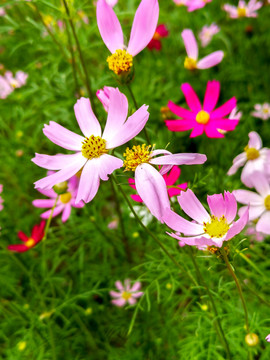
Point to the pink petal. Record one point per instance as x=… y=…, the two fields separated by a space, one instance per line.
x=237 y=163
x=238 y=226
x=54 y=162
x=137 y=294
x=216 y=204
x=254 y=211
x=191 y=98
x=192 y=206
x=247 y=176
x=174 y=192
x=261 y=183
x=191 y=241
x=263 y=225
x=181 y=112
x=211 y=95
x=136 y=286
x=254 y=140
x=132 y=301
x=136 y=198
x=178 y=223
x=86 y=118
x=224 y=109
x=57 y=210
x=109 y=27
x=49 y=193
x=22 y=236
x=179 y=125
x=115 y=294
x=152 y=189
x=144 y=26
x=18 y=248
x=89 y=181
x=172 y=177
x=190 y=43
x=119 y=302
x=210 y=60
x=66 y=212
x=230 y=206
x=248 y=197
x=104 y=96
x=107 y=165
x=162 y=30
x=63 y=137
x=179 y=159
x=198 y=130
x=226 y=124
x=127 y=284
x=119 y=285
x=212 y=132
x=43 y=203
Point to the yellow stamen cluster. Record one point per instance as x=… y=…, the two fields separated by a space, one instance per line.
x=137 y=155
x=202 y=117
x=29 y=243
x=126 y=295
x=242 y=12
x=93 y=147
x=120 y=61
x=252 y=153
x=267 y=202
x=190 y=64
x=65 y=198
x=217 y=227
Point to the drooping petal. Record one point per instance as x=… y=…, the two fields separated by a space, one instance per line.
x=66 y=212
x=181 y=112
x=263 y=225
x=211 y=95
x=107 y=165
x=109 y=27
x=54 y=162
x=254 y=140
x=132 y=301
x=184 y=240
x=89 y=181
x=210 y=60
x=179 y=125
x=192 y=206
x=248 y=197
x=152 y=189
x=238 y=226
x=191 y=98
x=119 y=302
x=190 y=43
x=237 y=163
x=86 y=118
x=224 y=109
x=179 y=159
x=144 y=26
x=62 y=136
x=178 y=223
x=43 y=203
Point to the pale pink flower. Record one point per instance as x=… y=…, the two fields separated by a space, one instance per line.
x=208 y=229
x=243 y=9
x=207 y=33
x=262 y=111
x=253 y=233
x=191 y=61
x=5 y=88
x=91 y=151
x=268 y=336
x=16 y=81
x=126 y=294
x=1 y=200
x=180 y=2
x=254 y=158
x=142 y=31
x=65 y=202
x=113 y=224
x=196 y=4
x=235 y=114
x=259 y=203
x=2 y=12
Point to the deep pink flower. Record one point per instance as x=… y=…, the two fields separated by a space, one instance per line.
x=161 y=32
x=203 y=118
x=196 y=4
x=37 y=235
x=91 y=152
x=142 y=31
x=65 y=202
x=243 y=9
x=126 y=293
x=254 y=158
x=191 y=61
x=207 y=33
x=210 y=230
x=170 y=179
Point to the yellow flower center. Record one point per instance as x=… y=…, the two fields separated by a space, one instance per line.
x=202 y=117
x=29 y=243
x=267 y=202
x=126 y=295
x=242 y=12
x=190 y=64
x=156 y=36
x=137 y=155
x=217 y=227
x=120 y=61
x=65 y=198
x=48 y=19
x=265 y=111
x=93 y=147
x=252 y=153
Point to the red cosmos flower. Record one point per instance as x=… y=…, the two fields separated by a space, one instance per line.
x=29 y=242
x=161 y=32
x=170 y=178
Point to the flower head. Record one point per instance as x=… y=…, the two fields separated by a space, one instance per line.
x=262 y=111
x=243 y=9
x=207 y=33
x=91 y=151
x=126 y=294
x=254 y=158
x=5 y=88
x=207 y=229
x=37 y=235
x=161 y=32
x=191 y=61
x=142 y=31
x=203 y=118
x=196 y=4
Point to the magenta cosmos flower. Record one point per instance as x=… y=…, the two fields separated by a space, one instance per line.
x=203 y=118
x=254 y=158
x=170 y=179
x=142 y=31
x=148 y=180
x=91 y=150
x=191 y=61
x=37 y=235
x=161 y=32
x=259 y=204
x=207 y=229
x=126 y=294
x=243 y=9
x=65 y=202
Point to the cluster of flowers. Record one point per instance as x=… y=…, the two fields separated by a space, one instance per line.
x=8 y=82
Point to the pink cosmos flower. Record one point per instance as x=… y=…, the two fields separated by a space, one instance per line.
x=253 y=233
x=207 y=33
x=113 y=224
x=268 y=336
x=91 y=151
x=18 y=80
x=203 y=118
x=148 y=181
x=170 y=179
x=196 y=4
x=126 y=293
x=37 y=235
x=210 y=230
x=65 y=202
x=142 y=31
x=262 y=111
x=1 y=200
x=259 y=204
x=5 y=88
x=191 y=61
x=254 y=158
x=161 y=32
x=243 y=9
x=2 y=12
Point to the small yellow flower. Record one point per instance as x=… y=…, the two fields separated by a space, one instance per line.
x=88 y=311
x=22 y=345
